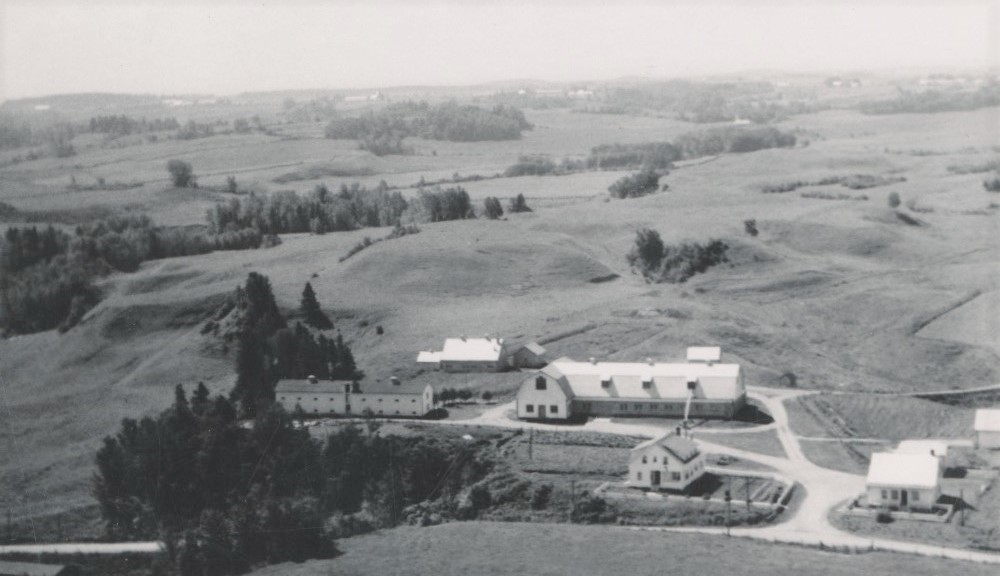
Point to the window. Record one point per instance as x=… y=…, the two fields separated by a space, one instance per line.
x=529 y=408
x=647 y=384
x=654 y=459
x=638 y=475
x=623 y=406
x=540 y=383
x=413 y=401
x=885 y=494
x=643 y=459
x=605 y=382
x=554 y=409
x=379 y=399
x=676 y=476
x=915 y=496
x=895 y=494
x=638 y=407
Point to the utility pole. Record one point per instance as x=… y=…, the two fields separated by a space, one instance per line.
x=729 y=499
x=961 y=507
x=572 y=500
x=746 y=484
x=531 y=443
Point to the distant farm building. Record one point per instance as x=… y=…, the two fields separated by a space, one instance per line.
x=987 y=427
x=530 y=355
x=904 y=481
x=671 y=462
x=468 y=355
x=699 y=388
x=347 y=398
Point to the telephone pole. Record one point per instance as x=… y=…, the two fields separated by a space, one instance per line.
x=729 y=499
x=531 y=443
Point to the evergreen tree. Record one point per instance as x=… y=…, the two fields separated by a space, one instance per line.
x=311 y=311
x=345 y=369
x=251 y=389
x=200 y=400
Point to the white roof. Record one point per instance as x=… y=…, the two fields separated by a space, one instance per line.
x=934 y=447
x=704 y=354
x=988 y=420
x=472 y=349
x=667 y=380
x=903 y=470
x=429 y=358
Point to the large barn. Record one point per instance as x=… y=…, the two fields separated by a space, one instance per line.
x=347 y=398
x=566 y=388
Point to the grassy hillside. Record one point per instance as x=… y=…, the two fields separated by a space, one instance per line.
x=484 y=548
x=839 y=293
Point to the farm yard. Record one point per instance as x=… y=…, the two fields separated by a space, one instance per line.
x=857 y=268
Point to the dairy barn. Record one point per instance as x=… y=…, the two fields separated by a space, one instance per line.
x=701 y=387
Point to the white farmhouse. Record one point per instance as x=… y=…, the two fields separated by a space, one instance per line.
x=670 y=462
x=468 y=355
x=698 y=388
x=347 y=398
x=906 y=481
x=987 y=427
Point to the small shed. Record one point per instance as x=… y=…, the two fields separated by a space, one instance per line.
x=530 y=355
x=907 y=481
x=987 y=427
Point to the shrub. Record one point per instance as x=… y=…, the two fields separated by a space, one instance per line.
x=492 y=208
x=883 y=517
x=480 y=497
x=487 y=395
x=750 y=226
x=541 y=497
x=519 y=204
x=635 y=185
x=181 y=173
x=893 y=199
x=992 y=184
x=673 y=264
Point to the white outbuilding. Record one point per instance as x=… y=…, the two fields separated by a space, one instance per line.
x=987 y=427
x=903 y=481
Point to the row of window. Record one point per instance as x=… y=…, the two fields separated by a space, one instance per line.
x=894 y=495
x=316 y=411
x=363 y=399
x=530 y=408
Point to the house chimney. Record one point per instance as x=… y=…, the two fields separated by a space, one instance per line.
x=312 y=379
x=593 y=360
x=394 y=380
x=649 y=361
x=462 y=337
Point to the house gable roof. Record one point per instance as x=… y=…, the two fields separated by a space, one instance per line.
x=681 y=448
x=639 y=380
x=903 y=470
x=472 y=350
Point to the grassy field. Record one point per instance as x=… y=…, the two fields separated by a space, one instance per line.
x=838 y=293
x=866 y=416
x=766 y=442
x=487 y=548
x=846 y=456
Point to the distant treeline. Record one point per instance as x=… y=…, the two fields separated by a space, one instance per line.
x=706 y=102
x=382 y=132
x=122 y=125
x=659 y=155
x=935 y=101
x=352 y=208
x=47 y=276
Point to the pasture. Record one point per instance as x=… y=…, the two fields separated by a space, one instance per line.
x=845 y=295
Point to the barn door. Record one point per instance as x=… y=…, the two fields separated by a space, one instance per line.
x=541 y=411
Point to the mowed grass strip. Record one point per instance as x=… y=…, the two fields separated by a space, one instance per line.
x=889 y=417
x=766 y=442
x=471 y=548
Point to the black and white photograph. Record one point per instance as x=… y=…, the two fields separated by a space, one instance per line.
x=490 y=288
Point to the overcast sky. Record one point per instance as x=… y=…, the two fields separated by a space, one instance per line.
x=225 y=47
